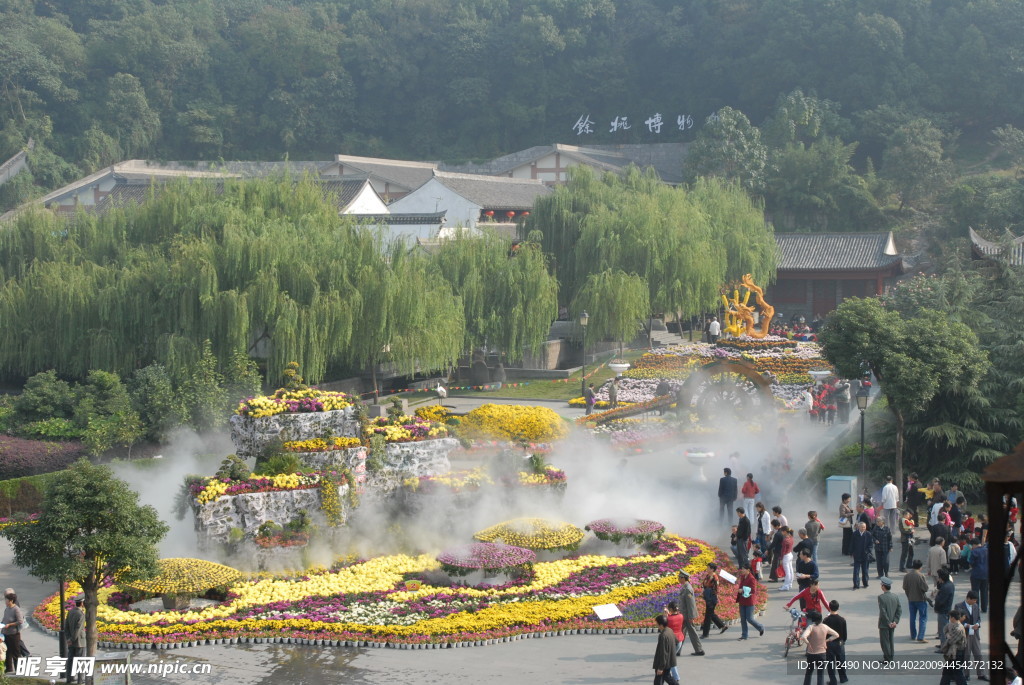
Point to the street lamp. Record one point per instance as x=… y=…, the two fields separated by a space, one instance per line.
x=862 y=404
x=584 y=318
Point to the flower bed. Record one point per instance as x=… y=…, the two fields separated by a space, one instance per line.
x=293 y=402
x=534 y=534
x=487 y=557
x=12 y=520
x=405 y=429
x=636 y=531
x=368 y=601
x=182 y=575
x=516 y=423
x=210 y=489
x=454 y=481
x=321 y=444
x=284 y=538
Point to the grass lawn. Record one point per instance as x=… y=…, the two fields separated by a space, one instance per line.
x=543 y=389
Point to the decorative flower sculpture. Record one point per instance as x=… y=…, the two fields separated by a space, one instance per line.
x=534 y=534
x=635 y=531
x=486 y=556
x=185 y=576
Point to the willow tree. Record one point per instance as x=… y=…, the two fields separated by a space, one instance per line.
x=509 y=297
x=263 y=268
x=410 y=318
x=616 y=302
x=685 y=244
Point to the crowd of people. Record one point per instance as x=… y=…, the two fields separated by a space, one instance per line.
x=768 y=548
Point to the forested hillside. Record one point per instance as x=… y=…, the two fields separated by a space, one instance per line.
x=95 y=82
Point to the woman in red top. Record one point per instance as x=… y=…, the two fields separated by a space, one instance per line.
x=745 y=587
x=675 y=624
x=811 y=599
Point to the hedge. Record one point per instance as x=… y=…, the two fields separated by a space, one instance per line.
x=23 y=494
x=20 y=457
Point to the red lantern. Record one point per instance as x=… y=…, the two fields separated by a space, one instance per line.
x=510 y=214
x=526 y=214
x=489 y=212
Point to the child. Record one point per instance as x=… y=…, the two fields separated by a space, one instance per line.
x=968 y=525
x=954 y=558
x=756 y=557
x=965 y=553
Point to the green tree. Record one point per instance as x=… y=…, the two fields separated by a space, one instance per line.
x=104 y=413
x=45 y=396
x=509 y=297
x=158 y=405
x=131 y=121
x=203 y=393
x=617 y=302
x=914 y=161
x=90 y=526
x=914 y=359
x=815 y=188
x=728 y=145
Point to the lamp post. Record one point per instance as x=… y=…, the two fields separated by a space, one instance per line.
x=584 y=318
x=862 y=404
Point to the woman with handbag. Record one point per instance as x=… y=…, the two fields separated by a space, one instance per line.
x=846 y=522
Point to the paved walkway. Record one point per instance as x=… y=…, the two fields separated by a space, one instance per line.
x=661 y=486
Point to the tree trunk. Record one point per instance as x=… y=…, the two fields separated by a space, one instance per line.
x=900 y=427
x=91 y=588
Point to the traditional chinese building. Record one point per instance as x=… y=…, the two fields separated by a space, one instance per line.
x=817 y=271
x=550 y=164
x=1012 y=248
x=471 y=199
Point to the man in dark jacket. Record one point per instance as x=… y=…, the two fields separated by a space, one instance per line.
x=806 y=571
x=742 y=538
x=665 y=654
x=882 y=536
x=943 y=603
x=860 y=547
x=74 y=636
x=728 y=490
x=979 y=572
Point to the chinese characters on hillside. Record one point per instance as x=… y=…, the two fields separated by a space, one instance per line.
x=652 y=124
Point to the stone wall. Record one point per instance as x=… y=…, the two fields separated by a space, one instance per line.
x=214 y=520
x=424 y=458
x=251 y=436
x=353 y=458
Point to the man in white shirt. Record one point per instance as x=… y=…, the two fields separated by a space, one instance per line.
x=714 y=330
x=891 y=503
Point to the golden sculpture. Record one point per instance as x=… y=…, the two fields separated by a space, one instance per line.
x=739 y=316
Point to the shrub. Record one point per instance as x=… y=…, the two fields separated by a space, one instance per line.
x=20 y=457
x=55 y=428
x=23 y=494
x=277 y=464
x=512 y=422
x=233 y=468
x=45 y=396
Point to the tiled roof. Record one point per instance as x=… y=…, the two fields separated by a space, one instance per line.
x=401 y=219
x=494 y=192
x=988 y=248
x=666 y=158
x=134 y=190
x=836 y=251
x=403 y=173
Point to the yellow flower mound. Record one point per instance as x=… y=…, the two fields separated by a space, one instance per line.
x=186 y=576
x=433 y=412
x=533 y=534
x=513 y=422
